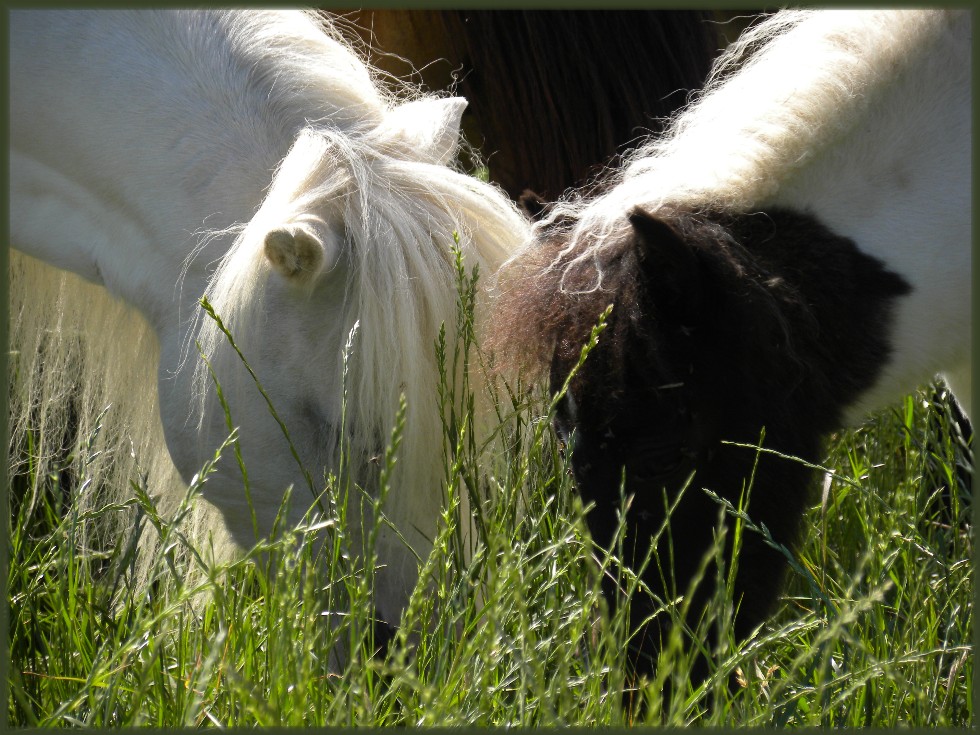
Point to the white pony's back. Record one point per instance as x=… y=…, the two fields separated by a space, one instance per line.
x=861 y=118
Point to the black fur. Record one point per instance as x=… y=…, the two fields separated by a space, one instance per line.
x=722 y=327
x=558 y=94
x=554 y=95
x=532 y=205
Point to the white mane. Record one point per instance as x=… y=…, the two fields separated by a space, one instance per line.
x=761 y=115
x=395 y=212
x=399 y=220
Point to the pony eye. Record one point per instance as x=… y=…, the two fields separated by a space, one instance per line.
x=562 y=431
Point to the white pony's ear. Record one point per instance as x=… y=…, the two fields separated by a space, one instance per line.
x=297 y=253
x=429 y=126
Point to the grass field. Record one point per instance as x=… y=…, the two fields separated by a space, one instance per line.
x=874 y=628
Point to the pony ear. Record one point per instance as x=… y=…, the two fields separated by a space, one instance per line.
x=295 y=252
x=668 y=265
x=429 y=126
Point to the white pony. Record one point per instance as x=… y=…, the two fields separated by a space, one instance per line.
x=249 y=156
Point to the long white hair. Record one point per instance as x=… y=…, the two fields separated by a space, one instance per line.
x=84 y=360
x=760 y=115
x=401 y=220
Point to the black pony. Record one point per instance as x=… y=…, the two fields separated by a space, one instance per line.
x=770 y=280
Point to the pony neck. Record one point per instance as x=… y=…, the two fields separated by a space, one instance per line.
x=217 y=113
x=898 y=184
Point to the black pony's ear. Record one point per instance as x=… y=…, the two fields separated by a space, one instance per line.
x=668 y=266
x=532 y=205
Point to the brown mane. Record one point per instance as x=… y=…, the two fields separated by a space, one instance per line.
x=548 y=298
x=545 y=303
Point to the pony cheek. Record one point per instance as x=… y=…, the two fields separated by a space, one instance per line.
x=178 y=421
x=597 y=488
x=565 y=420
x=598 y=471
x=188 y=452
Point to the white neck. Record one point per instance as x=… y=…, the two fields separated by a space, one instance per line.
x=157 y=149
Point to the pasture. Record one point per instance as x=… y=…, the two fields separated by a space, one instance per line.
x=270 y=463
x=873 y=630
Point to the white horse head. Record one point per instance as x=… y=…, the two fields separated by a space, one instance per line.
x=249 y=157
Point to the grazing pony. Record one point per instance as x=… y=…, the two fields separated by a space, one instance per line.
x=251 y=157
x=791 y=254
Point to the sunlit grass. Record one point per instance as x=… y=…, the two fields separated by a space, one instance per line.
x=874 y=630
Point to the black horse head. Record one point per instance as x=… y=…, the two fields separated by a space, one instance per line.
x=725 y=331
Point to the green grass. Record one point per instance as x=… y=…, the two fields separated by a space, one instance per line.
x=874 y=628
